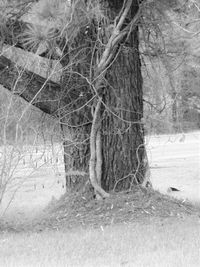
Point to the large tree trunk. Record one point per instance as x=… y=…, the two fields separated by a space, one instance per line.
x=122 y=135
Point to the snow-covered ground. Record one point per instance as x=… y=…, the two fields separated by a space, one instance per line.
x=174 y=161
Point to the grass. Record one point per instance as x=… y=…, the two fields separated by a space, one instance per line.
x=140 y=229
x=167 y=242
x=143 y=228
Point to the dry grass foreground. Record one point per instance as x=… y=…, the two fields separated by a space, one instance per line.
x=138 y=229
x=80 y=210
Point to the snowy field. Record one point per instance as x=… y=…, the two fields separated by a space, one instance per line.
x=175 y=162
x=39 y=173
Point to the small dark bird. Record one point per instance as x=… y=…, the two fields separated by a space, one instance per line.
x=173 y=189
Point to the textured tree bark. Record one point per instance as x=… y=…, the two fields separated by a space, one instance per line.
x=122 y=130
x=122 y=134
x=76 y=156
x=76 y=116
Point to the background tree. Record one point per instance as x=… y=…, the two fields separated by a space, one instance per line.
x=167 y=60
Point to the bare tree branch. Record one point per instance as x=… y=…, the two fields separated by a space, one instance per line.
x=30 y=86
x=48 y=69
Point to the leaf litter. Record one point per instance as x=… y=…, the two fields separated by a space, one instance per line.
x=80 y=209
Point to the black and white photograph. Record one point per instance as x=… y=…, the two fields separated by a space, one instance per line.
x=99 y=133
